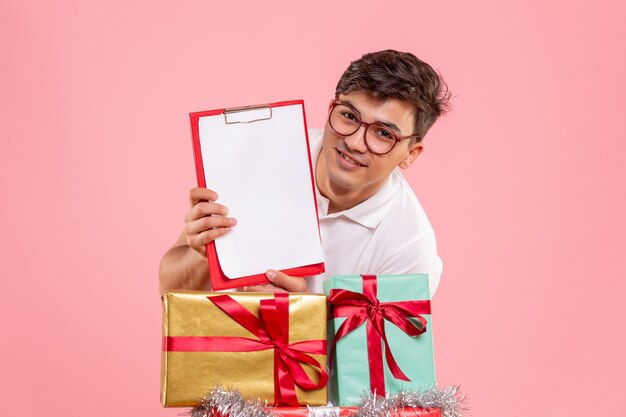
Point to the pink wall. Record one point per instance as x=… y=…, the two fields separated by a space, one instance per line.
x=523 y=181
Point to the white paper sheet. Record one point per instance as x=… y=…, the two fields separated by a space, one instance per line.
x=261 y=172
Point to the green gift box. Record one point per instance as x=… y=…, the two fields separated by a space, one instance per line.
x=382 y=335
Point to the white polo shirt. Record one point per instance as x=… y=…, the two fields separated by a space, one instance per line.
x=388 y=233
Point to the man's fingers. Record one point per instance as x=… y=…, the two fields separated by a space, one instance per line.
x=206 y=220
x=202 y=239
x=203 y=209
x=208 y=223
x=201 y=194
x=291 y=284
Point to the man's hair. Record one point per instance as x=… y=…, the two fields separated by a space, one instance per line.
x=400 y=75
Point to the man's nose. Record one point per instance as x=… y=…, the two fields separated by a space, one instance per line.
x=356 y=141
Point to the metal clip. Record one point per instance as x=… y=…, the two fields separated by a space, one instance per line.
x=237 y=110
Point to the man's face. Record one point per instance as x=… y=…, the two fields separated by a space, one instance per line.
x=349 y=166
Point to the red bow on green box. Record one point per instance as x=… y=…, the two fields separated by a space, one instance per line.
x=360 y=308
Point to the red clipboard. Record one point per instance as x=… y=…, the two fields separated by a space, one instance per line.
x=219 y=279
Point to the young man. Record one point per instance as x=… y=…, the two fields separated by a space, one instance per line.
x=370 y=219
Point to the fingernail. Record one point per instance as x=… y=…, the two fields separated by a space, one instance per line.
x=225 y=211
x=270 y=275
x=233 y=221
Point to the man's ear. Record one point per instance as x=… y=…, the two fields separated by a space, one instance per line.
x=414 y=151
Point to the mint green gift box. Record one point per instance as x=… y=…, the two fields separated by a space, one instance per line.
x=350 y=377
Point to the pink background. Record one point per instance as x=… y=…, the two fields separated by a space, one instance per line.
x=523 y=182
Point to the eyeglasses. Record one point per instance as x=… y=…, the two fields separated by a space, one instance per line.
x=379 y=139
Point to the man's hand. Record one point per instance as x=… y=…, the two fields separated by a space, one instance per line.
x=205 y=221
x=280 y=282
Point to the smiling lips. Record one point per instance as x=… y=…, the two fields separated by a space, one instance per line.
x=350 y=159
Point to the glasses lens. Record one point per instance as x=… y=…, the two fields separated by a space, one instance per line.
x=344 y=120
x=380 y=138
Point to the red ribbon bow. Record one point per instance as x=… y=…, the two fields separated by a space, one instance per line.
x=272 y=332
x=358 y=308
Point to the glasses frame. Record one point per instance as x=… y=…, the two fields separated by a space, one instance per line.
x=396 y=138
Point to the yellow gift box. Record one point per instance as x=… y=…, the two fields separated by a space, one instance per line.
x=270 y=347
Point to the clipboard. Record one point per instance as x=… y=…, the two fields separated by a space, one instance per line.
x=257 y=159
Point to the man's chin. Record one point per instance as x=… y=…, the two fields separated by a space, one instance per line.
x=345 y=181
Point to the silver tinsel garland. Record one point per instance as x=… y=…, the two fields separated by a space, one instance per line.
x=447 y=399
x=229 y=403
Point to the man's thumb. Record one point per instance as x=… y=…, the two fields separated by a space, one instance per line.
x=280 y=279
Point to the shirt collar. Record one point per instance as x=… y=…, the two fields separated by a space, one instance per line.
x=368 y=213
x=372 y=211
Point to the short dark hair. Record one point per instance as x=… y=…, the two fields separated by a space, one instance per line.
x=400 y=75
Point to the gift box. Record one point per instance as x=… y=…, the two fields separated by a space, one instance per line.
x=267 y=346
x=327 y=411
x=382 y=335
x=350 y=411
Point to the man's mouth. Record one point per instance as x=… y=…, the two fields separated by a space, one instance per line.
x=350 y=159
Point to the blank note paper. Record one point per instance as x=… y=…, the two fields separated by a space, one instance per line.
x=262 y=173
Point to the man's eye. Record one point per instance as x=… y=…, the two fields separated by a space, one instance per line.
x=384 y=134
x=349 y=116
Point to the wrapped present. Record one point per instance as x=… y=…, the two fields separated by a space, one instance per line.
x=268 y=346
x=327 y=411
x=351 y=411
x=375 y=314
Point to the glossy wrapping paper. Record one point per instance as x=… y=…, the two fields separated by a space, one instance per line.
x=350 y=375
x=349 y=412
x=187 y=376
